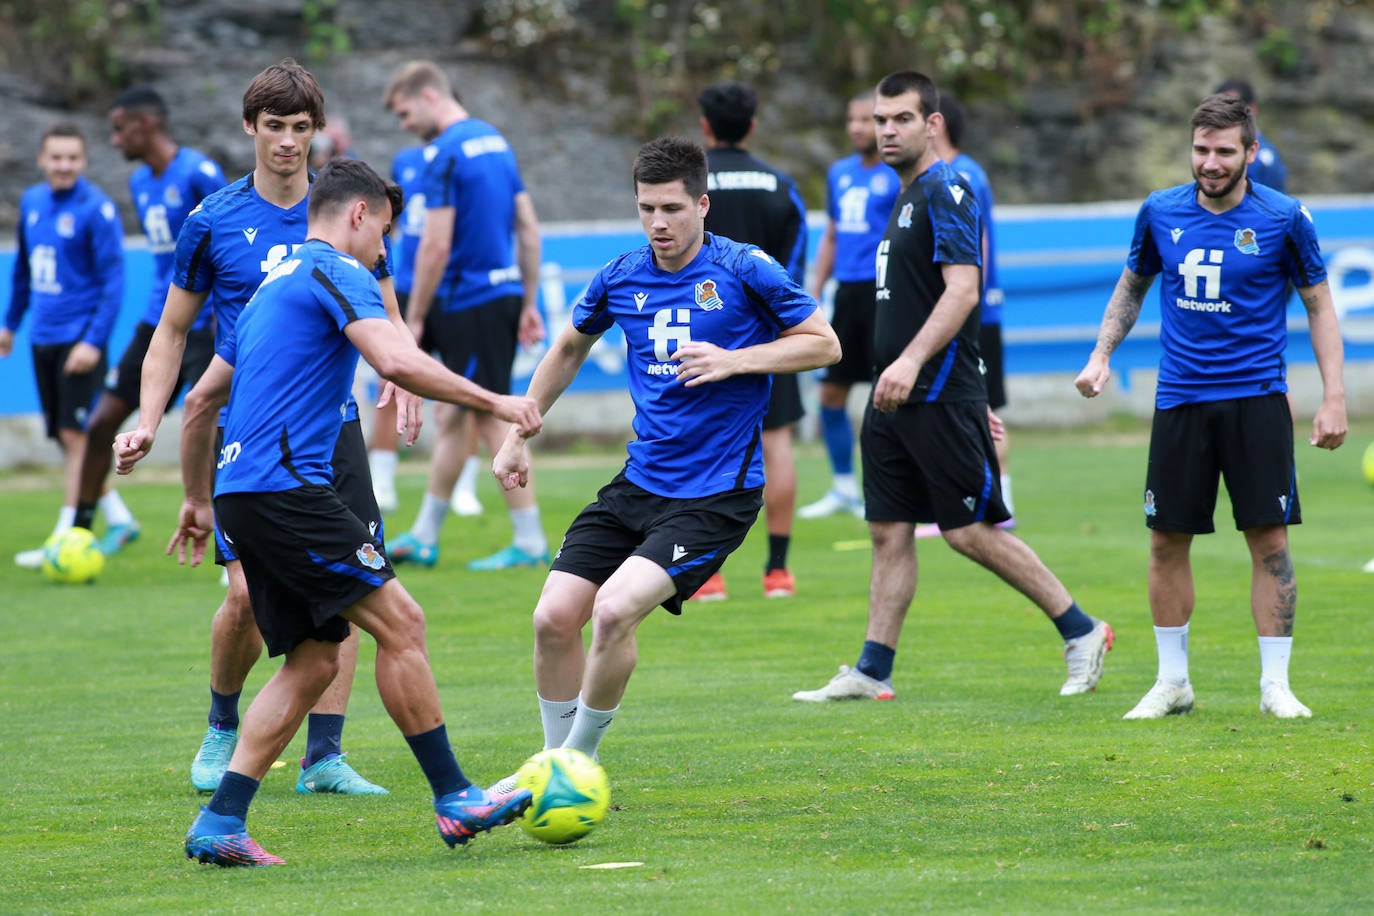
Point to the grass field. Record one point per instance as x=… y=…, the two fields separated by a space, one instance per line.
x=977 y=789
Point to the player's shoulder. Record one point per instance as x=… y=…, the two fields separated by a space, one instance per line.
x=1275 y=204
x=970 y=168
x=94 y=201
x=193 y=160
x=1170 y=200
x=225 y=201
x=740 y=258
x=624 y=267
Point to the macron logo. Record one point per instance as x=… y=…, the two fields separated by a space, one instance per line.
x=1177 y=234
x=640 y=299
x=957 y=193
x=678 y=552
x=969 y=502
x=250 y=234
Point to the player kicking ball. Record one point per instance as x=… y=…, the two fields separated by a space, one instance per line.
x=312 y=566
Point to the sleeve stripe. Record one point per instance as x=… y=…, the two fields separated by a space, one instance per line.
x=347 y=307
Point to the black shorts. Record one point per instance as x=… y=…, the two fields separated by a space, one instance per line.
x=990 y=348
x=931 y=463
x=352 y=481
x=125 y=380
x=689 y=538
x=477 y=343
x=306 y=557
x=66 y=399
x=784 y=402
x=853 y=324
x=1248 y=441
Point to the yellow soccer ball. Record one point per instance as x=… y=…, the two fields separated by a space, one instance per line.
x=571 y=795
x=72 y=557
x=1367 y=464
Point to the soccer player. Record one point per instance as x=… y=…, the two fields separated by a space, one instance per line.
x=860 y=191
x=312 y=566
x=947 y=148
x=927 y=439
x=471 y=297
x=1226 y=249
x=225 y=249
x=754 y=203
x=407 y=169
x=69 y=271
x=1268 y=167
x=171 y=182
x=706 y=321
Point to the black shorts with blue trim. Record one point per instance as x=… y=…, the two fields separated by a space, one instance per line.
x=306 y=557
x=689 y=538
x=931 y=463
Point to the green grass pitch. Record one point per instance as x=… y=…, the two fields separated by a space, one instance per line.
x=978 y=789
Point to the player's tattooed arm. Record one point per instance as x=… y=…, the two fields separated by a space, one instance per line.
x=1122 y=309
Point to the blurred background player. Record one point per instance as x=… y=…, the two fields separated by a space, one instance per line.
x=860 y=190
x=1226 y=251
x=69 y=272
x=754 y=203
x=472 y=298
x=947 y=142
x=171 y=182
x=1268 y=168
x=334 y=141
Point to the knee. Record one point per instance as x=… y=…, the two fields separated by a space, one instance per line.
x=237 y=609
x=556 y=623
x=613 y=618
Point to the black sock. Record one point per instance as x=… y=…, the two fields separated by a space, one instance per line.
x=435 y=754
x=85 y=515
x=777 y=551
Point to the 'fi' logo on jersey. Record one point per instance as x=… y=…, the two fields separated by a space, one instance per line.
x=1246 y=241
x=1149 y=503
x=904 y=218
x=707 y=298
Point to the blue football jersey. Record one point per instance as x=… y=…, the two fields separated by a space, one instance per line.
x=471 y=168
x=859 y=200
x=69 y=265
x=1268 y=168
x=407 y=170
x=1224 y=289
x=982 y=189
x=293 y=371
x=163 y=202
x=697 y=441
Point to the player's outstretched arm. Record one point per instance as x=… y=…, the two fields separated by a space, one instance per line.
x=1329 y=425
x=198 y=423
x=162 y=364
x=1122 y=311
x=963 y=290
x=410 y=414
x=401 y=362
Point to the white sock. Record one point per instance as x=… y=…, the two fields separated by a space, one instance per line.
x=65 y=517
x=382 y=463
x=467 y=479
x=1006 y=493
x=429 y=519
x=558 y=717
x=1172 y=643
x=1274 y=654
x=588 y=727
x=116 y=513
x=846 y=485
x=529 y=532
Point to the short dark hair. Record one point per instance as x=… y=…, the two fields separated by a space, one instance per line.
x=342 y=181
x=1237 y=86
x=397 y=197
x=670 y=159
x=62 y=129
x=1218 y=112
x=284 y=88
x=954 y=118
x=141 y=99
x=729 y=108
x=904 y=81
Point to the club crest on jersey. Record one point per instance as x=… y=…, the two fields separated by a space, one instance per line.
x=171 y=196
x=1150 y=504
x=1246 y=241
x=904 y=217
x=707 y=298
x=66 y=225
x=878 y=184
x=369 y=557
